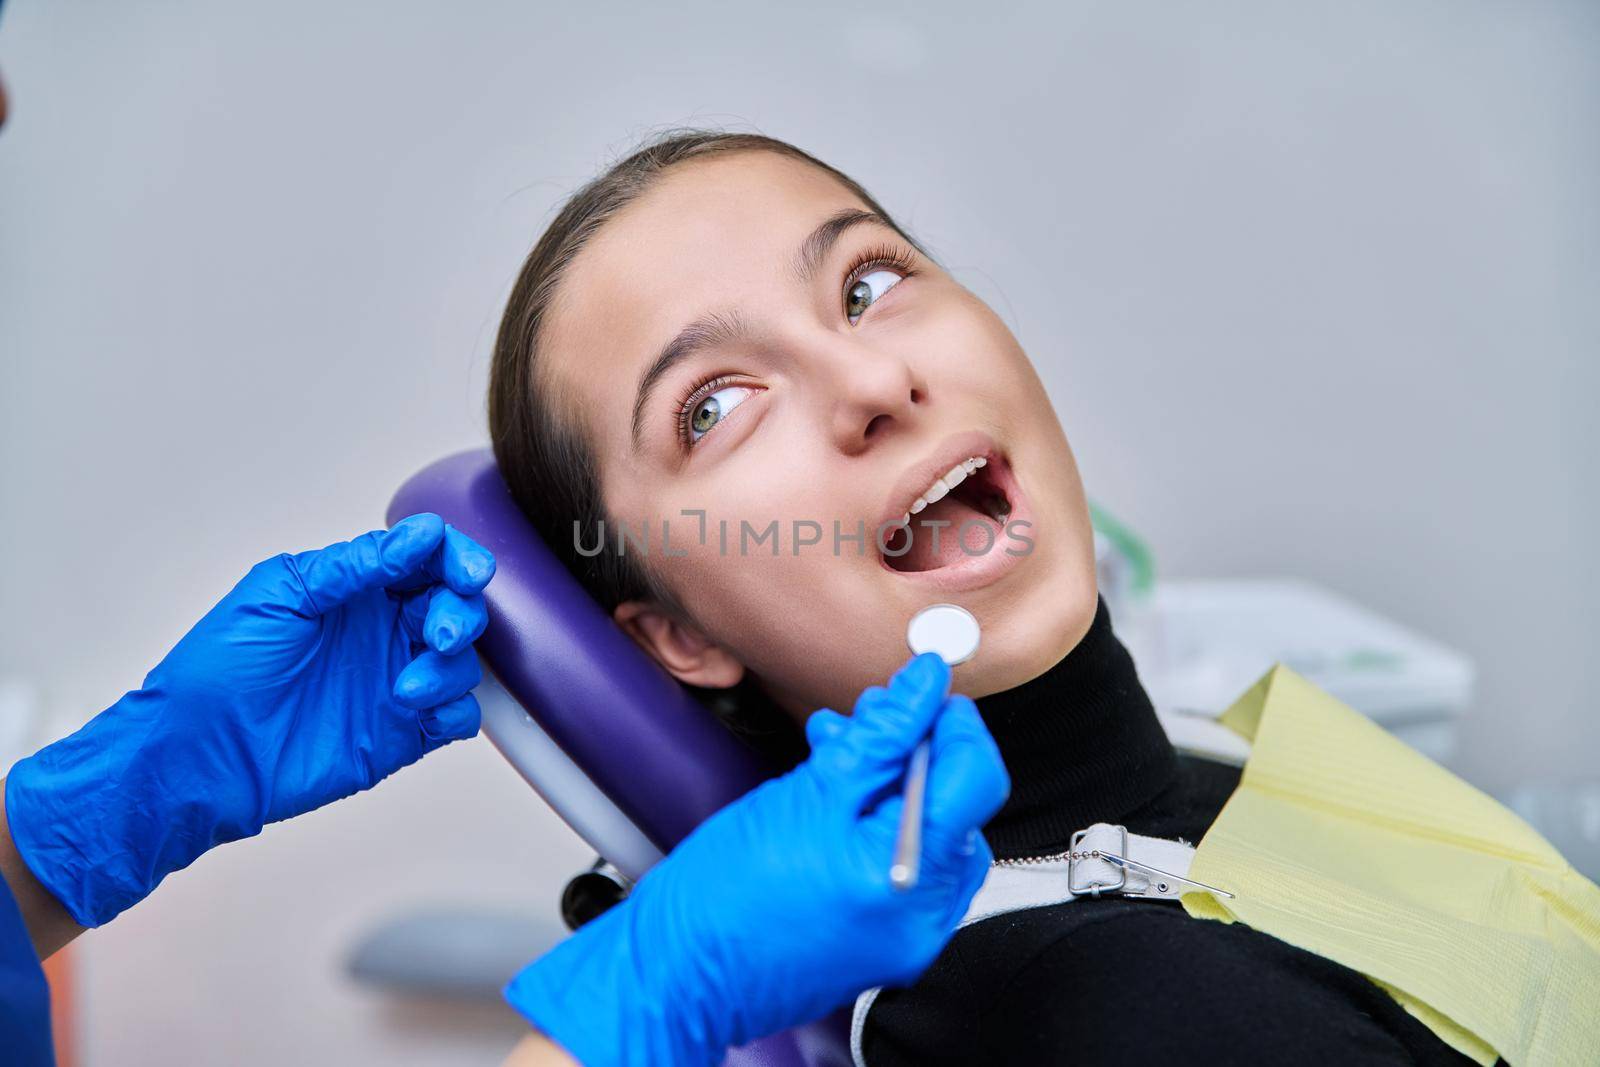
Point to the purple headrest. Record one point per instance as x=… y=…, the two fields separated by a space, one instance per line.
x=655 y=751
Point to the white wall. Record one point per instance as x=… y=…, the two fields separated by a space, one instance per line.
x=1314 y=287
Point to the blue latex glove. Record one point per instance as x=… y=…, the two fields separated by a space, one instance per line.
x=778 y=908
x=318 y=675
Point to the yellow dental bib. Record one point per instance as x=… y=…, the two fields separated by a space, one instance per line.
x=1345 y=842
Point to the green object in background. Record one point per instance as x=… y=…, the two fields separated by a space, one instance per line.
x=1126 y=567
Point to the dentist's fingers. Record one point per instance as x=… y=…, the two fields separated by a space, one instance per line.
x=967 y=785
x=967 y=780
x=449 y=722
x=457 y=562
x=454 y=621
x=953 y=867
x=974 y=857
x=433 y=679
x=889 y=721
x=464 y=565
x=869 y=751
x=332 y=575
x=825 y=725
x=414 y=610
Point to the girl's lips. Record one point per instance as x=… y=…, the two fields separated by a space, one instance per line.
x=916 y=480
x=967 y=572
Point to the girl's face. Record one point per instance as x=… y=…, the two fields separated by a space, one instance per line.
x=747 y=345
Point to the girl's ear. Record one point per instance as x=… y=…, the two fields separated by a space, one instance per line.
x=684 y=651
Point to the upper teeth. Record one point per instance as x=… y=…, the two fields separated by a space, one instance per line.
x=943 y=484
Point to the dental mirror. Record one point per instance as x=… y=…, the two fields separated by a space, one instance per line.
x=951 y=632
x=947 y=629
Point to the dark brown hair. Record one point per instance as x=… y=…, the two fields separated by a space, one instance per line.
x=543 y=455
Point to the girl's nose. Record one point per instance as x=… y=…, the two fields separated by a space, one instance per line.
x=873 y=394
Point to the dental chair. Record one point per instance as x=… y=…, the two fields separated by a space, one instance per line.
x=621 y=751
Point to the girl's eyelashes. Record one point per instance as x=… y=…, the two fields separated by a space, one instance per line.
x=874 y=273
x=708 y=404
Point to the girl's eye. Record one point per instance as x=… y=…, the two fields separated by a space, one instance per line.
x=713 y=408
x=869 y=288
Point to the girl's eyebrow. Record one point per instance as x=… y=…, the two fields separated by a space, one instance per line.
x=707 y=331
x=815 y=248
x=723 y=328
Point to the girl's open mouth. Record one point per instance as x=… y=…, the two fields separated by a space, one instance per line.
x=952 y=524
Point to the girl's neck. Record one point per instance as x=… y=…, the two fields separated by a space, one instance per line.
x=1082 y=744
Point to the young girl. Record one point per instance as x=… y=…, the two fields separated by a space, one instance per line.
x=804 y=431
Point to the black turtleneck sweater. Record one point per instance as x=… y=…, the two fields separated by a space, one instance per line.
x=1121 y=981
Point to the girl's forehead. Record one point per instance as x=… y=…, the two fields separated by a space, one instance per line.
x=709 y=236
x=745 y=204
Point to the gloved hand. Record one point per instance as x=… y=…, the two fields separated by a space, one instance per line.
x=318 y=675
x=778 y=908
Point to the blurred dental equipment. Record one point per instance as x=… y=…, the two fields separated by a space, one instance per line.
x=951 y=632
x=451 y=952
x=1199 y=643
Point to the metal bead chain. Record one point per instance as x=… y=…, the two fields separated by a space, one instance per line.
x=1027 y=861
